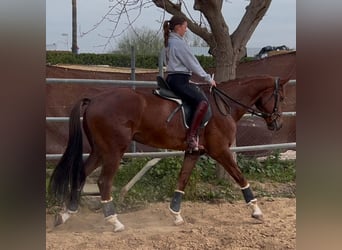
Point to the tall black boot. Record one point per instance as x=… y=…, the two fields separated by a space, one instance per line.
x=192 y=139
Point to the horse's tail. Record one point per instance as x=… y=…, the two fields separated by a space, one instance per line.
x=69 y=172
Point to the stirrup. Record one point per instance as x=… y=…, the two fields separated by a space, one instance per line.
x=193 y=145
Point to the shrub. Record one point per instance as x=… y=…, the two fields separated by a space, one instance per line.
x=115 y=60
x=159 y=183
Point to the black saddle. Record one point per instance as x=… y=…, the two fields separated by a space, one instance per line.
x=165 y=92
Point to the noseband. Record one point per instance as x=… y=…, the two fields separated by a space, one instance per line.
x=217 y=93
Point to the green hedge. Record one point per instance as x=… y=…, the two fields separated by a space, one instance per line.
x=115 y=60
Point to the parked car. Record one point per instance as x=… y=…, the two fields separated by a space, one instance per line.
x=264 y=52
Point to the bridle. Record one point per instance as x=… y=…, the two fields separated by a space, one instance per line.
x=217 y=93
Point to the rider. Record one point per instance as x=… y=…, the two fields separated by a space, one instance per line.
x=181 y=63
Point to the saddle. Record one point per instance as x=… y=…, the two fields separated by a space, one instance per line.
x=165 y=92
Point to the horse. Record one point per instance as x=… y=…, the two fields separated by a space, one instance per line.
x=112 y=119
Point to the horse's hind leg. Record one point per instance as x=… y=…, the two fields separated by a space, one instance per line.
x=110 y=166
x=227 y=161
x=184 y=175
x=91 y=164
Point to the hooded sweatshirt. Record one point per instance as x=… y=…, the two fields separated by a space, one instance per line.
x=179 y=58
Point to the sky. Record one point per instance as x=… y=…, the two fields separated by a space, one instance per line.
x=278 y=26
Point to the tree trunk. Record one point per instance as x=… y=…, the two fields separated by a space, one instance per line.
x=225 y=70
x=225 y=67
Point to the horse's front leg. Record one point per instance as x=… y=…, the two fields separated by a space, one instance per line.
x=252 y=202
x=184 y=175
x=227 y=161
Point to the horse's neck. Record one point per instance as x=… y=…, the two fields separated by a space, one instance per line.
x=245 y=92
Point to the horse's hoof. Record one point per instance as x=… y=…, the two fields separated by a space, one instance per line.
x=259 y=217
x=178 y=220
x=58 y=220
x=119 y=228
x=61 y=218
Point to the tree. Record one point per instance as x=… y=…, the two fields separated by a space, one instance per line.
x=226 y=48
x=145 y=41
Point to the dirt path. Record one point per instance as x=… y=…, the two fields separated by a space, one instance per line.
x=208 y=226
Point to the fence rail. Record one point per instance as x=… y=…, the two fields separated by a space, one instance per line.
x=181 y=153
x=65 y=118
x=129 y=83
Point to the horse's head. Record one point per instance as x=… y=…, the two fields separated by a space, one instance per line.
x=269 y=104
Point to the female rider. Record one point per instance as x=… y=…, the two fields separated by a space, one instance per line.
x=181 y=63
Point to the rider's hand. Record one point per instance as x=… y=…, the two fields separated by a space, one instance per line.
x=212 y=83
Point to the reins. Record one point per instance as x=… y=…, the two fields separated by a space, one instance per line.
x=217 y=93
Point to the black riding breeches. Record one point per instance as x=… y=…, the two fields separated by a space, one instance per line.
x=188 y=92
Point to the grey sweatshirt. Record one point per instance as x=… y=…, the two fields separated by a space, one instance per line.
x=179 y=58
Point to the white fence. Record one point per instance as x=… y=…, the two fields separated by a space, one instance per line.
x=134 y=84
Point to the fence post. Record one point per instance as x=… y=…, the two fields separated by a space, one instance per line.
x=161 y=62
x=133 y=64
x=133 y=144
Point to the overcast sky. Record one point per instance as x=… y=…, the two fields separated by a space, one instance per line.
x=278 y=27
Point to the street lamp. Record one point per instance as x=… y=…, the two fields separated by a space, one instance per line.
x=67 y=39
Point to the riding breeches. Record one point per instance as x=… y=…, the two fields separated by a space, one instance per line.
x=188 y=92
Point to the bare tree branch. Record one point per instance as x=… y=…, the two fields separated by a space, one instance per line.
x=254 y=13
x=175 y=9
x=226 y=48
x=116 y=14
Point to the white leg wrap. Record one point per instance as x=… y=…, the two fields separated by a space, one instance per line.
x=257 y=214
x=106 y=201
x=178 y=218
x=72 y=212
x=118 y=226
x=180 y=191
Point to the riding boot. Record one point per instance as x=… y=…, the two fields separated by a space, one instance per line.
x=192 y=139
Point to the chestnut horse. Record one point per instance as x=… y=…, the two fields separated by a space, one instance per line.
x=113 y=119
